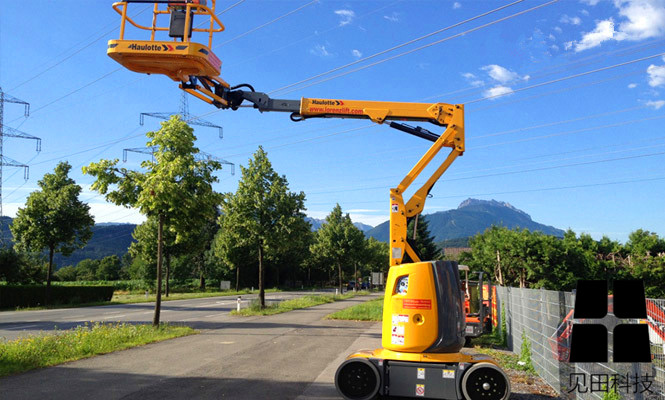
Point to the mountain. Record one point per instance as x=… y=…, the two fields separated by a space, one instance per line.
x=471 y=217
x=107 y=239
x=316 y=224
x=363 y=227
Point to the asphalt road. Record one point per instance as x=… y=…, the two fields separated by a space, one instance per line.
x=193 y=312
x=292 y=355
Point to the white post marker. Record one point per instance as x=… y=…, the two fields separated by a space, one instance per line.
x=238 y=304
x=336 y=291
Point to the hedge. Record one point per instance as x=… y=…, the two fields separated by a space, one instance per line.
x=12 y=296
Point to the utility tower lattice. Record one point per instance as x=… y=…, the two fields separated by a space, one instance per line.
x=200 y=156
x=6 y=131
x=184 y=113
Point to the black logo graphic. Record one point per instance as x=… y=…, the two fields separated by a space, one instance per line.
x=630 y=341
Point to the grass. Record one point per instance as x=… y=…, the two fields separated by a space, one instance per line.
x=492 y=345
x=369 y=311
x=43 y=350
x=129 y=297
x=294 y=304
x=125 y=297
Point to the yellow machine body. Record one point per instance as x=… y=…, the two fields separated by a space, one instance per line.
x=173 y=59
x=410 y=320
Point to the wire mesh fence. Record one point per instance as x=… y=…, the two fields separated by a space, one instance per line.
x=545 y=319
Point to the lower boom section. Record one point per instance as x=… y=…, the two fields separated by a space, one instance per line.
x=454 y=376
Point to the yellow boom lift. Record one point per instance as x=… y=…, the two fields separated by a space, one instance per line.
x=423 y=318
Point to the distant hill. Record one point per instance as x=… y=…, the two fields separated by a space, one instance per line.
x=107 y=239
x=316 y=224
x=471 y=217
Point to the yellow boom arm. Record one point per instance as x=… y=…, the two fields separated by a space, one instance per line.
x=450 y=116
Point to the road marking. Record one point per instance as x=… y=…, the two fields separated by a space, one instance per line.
x=205 y=305
x=24 y=326
x=115 y=316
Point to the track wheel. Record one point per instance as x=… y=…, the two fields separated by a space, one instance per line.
x=485 y=381
x=357 y=379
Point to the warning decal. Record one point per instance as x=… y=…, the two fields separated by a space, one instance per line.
x=400 y=318
x=449 y=373
x=420 y=390
x=417 y=304
x=395 y=207
x=421 y=373
x=397 y=339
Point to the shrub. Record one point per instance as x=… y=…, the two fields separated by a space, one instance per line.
x=33 y=295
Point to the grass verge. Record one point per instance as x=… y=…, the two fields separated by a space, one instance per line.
x=369 y=311
x=294 y=304
x=38 y=351
x=124 y=297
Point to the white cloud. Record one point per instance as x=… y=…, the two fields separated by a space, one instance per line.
x=457 y=5
x=319 y=50
x=356 y=53
x=632 y=85
x=394 y=17
x=565 y=19
x=554 y=47
x=656 y=104
x=473 y=80
x=499 y=73
x=656 y=75
x=346 y=16
x=584 y=12
x=591 y=2
x=497 y=91
x=558 y=29
x=604 y=31
x=551 y=37
x=644 y=19
x=638 y=20
x=568 y=45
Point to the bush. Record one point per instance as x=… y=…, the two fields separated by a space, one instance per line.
x=34 y=295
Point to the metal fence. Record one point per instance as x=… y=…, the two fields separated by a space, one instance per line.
x=544 y=317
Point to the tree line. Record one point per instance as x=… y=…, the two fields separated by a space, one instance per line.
x=535 y=260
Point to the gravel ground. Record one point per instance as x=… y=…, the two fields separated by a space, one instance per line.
x=528 y=387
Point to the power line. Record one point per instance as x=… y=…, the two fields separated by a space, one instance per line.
x=266 y=24
x=511 y=172
x=424 y=46
x=552 y=188
x=566 y=78
x=105 y=34
x=337 y=26
x=396 y=47
x=571 y=132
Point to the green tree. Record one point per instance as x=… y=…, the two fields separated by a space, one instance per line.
x=232 y=253
x=12 y=265
x=175 y=187
x=86 y=270
x=66 y=274
x=109 y=268
x=263 y=214
x=338 y=241
x=53 y=219
x=422 y=241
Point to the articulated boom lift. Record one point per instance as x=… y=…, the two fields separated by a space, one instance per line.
x=423 y=318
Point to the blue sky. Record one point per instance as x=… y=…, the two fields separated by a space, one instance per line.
x=564 y=104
